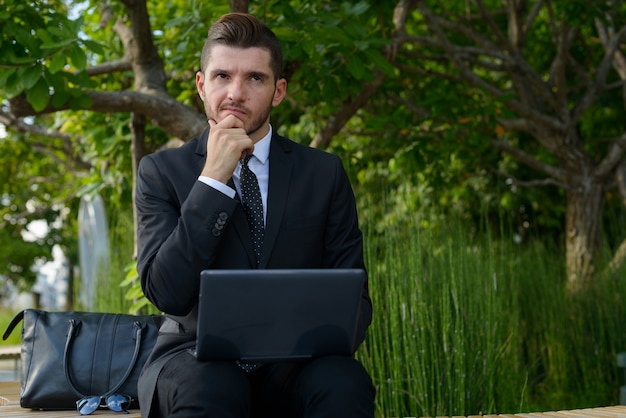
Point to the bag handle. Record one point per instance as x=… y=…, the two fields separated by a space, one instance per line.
x=16 y=320
x=73 y=329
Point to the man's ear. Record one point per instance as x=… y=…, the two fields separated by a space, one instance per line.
x=200 y=84
x=279 y=92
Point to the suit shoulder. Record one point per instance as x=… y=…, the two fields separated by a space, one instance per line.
x=291 y=146
x=183 y=152
x=186 y=148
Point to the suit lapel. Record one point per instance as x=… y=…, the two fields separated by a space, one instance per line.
x=281 y=164
x=201 y=150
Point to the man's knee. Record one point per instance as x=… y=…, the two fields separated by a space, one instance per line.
x=341 y=382
x=203 y=389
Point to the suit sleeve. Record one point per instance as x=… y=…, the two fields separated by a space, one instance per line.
x=344 y=241
x=175 y=240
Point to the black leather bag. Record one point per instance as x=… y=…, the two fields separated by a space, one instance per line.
x=67 y=356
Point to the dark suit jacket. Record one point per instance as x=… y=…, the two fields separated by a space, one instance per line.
x=185 y=226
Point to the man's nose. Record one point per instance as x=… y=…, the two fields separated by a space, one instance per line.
x=237 y=90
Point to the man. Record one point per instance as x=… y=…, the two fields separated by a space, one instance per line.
x=191 y=217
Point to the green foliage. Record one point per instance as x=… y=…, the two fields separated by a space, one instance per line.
x=330 y=50
x=120 y=291
x=42 y=52
x=6 y=315
x=469 y=324
x=465 y=321
x=29 y=192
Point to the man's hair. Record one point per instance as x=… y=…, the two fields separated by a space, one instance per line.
x=242 y=30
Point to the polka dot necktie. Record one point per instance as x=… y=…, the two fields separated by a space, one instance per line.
x=253 y=206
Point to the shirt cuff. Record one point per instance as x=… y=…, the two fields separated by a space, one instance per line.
x=217 y=185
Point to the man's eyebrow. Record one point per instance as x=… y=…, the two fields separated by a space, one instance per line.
x=218 y=71
x=261 y=74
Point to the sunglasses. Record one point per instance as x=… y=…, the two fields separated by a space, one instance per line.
x=115 y=402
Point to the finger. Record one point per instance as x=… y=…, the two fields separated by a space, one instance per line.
x=231 y=121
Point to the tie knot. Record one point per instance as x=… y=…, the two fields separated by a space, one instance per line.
x=246 y=159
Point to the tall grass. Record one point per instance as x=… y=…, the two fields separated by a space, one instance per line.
x=467 y=324
x=110 y=295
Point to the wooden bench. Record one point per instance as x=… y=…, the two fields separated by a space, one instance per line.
x=10 y=406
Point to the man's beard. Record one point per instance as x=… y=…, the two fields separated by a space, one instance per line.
x=258 y=122
x=254 y=125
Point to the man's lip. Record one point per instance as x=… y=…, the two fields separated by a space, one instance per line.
x=233 y=110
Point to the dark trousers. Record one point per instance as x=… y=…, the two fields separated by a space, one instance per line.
x=326 y=387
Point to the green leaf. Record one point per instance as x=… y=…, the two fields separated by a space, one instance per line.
x=30 y=76
x=57 y=45
x=60 y=97
x=360 y=8
x=60 y=31
x=380 y=62
x=57 y=63
x=93 y=46
x=44 y=35
x=38 y=96
x=176 y=22
x=23 y=60
x=13 y=85
x=5 y=73
x=77 y=57
x=356 y=67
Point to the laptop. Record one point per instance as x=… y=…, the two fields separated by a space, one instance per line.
x=276 y=315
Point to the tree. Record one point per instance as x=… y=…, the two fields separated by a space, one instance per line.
x=527 y=90
x=555 y=105
x=64 y=76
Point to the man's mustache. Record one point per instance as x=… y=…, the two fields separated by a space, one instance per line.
x=233 y=105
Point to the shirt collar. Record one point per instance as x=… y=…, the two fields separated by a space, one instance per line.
x=262 y=148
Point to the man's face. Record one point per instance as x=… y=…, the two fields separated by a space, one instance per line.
x=240 y=82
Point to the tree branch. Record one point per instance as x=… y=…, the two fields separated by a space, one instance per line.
x=612 y=159
x=529 y=183
x=171 y=116
x=140 y=48
x=109 y=67
x=349 y=108
x=557 y=173
x=598 y=84
x=529 y=110
x=19 y=125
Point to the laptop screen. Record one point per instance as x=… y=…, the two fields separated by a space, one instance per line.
x=274 y=315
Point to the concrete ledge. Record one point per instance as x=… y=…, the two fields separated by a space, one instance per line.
x=10 y=407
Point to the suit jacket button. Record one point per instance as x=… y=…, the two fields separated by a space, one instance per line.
x=216 y=232
x=223 y=216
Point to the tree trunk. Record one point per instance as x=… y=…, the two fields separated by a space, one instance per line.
x=137 y=151
x=583 y=235
x=240 y=6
